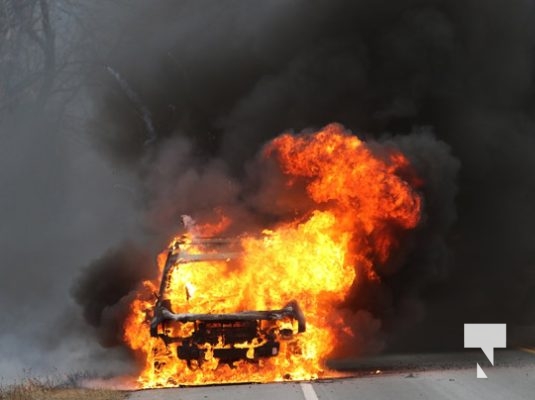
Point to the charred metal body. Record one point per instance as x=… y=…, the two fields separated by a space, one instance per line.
x=247 y=335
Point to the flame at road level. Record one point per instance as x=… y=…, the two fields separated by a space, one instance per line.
x=361 y=203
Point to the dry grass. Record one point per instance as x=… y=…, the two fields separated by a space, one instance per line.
x=36 y=390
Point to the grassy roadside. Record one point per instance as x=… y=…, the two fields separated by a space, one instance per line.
x=35 y=390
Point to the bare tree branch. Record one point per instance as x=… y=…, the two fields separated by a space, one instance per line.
x=49 y=50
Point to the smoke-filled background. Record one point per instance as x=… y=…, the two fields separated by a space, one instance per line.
x=140 y=111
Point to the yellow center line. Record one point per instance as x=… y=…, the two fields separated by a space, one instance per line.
x=530 y=350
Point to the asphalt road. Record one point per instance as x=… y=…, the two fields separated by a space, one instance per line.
x=396 y=377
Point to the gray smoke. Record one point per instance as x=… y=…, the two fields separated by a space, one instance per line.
x=58 y=208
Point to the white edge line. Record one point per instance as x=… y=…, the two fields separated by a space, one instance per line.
x=308 y=391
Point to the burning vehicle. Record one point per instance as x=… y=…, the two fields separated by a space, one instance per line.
x=233 y=310
x=245 y=335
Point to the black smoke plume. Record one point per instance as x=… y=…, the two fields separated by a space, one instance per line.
x=221 y=78
x=103 y=288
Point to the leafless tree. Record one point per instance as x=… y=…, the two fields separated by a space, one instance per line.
x=27 y=52
x=46 y=52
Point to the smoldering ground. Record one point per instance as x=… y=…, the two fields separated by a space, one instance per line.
x=219 y=79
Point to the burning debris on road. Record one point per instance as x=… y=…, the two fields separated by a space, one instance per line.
x=362 y=202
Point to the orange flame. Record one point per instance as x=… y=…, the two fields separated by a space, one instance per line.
x=361 y=202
